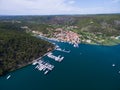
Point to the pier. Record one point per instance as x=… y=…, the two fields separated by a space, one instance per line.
x=56 y=58
x=59 y=49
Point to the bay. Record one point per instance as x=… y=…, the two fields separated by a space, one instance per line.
x=86 y=67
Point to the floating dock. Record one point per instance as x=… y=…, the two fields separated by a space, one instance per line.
x=59 y=49
x=56 y=58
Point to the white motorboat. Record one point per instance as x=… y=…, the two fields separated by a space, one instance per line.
x=8 y=76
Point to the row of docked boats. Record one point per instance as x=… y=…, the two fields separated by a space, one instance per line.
x=43 y=66
x=58 y=58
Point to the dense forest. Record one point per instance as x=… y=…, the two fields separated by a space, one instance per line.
x=18 y=49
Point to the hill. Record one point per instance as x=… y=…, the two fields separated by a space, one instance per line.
x=18 y=49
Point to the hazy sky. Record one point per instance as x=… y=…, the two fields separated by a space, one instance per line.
x=51 y=7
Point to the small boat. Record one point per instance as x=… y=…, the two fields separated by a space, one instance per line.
x=34 y=63
x=8 y=76
x=57 y=46
x=46 y=72
x=76 y=45
x=59 y=49
x=113 y=65
x=119 y=72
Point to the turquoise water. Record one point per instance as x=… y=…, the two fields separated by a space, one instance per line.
x=87 y=67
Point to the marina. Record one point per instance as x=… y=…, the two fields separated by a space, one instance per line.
x=43 y=66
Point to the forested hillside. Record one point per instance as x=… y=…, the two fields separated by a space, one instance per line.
x=18 y=49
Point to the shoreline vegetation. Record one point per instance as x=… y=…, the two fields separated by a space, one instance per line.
x=19 y=46
x=18 y=49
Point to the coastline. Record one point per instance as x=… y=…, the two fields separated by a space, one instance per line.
x=28 y=63
x=105 y=43
x=45 y=38
x=54 y=39
x=32 y=76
